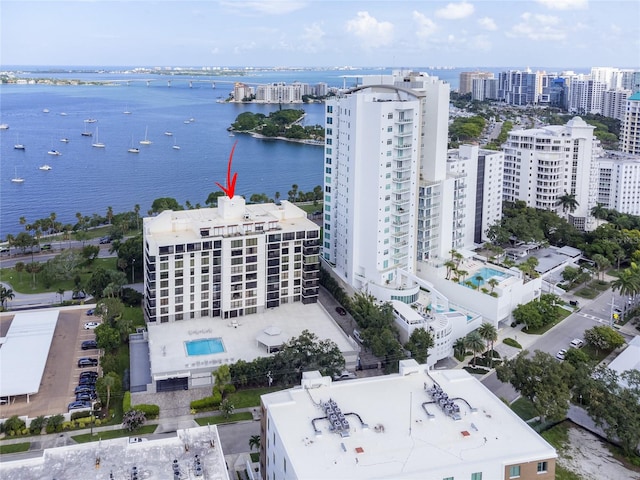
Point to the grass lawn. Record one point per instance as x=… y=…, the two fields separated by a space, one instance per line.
x=15 y=448
x=108 y=434
x=587 y=293
x=216 y=419
x=250 y=397
x=524 y=408
x=596 y=355
x=136 y=315
x=22 y=282
x=599 y=285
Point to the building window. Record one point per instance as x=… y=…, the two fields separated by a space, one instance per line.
x=448 y=478
x=514 y=471
x=542 y=467
x=476 y=476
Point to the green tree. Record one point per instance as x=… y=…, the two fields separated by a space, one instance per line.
x=212 y=199
x=90 y=253
x=226 y=407
x=222 y=378
x=568 y=202
x=419 y=344
x=107 y=386
x=254 y=442
x=99 y=279
x=165 y=203
x=529 y=315
x=603 y=338
x=542 y=380
x=489 y=334
x=627 y=283
x=473 y=341
x=107 y=337
x=6 y=294
x=110 y=310
x=459 y=348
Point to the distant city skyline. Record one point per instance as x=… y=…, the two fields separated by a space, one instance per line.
x=305 y=33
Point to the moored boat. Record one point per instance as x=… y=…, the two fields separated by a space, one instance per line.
x=54 y=152
x=45 y=167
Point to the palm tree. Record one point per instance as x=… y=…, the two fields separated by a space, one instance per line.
x=459 y=347
x=255 y=442
x=568 y=202
x=109 y=214
x=108 y=382
x=489 y=334
x=599 y=211
x=479 y=279
x=493 y=283
x=136 y=210
x=627 y=283
x=451 y=265
x=474 y=342
x=6 y=294
x=462 y=274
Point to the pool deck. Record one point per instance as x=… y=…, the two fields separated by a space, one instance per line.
x=167 y=341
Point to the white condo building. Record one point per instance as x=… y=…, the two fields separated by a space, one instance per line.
x=417 y=424
x=619 y=182
x=614 y=103
x=630 y=134
x=228 y=261
x=394 y=194
x=543 y=164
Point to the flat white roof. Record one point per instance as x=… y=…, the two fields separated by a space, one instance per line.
x=629 y=359
x=152 y=459
x=401 y=440
x=24 y=352
x=169 y=356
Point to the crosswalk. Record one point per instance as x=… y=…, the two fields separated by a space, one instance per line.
x=592 y=317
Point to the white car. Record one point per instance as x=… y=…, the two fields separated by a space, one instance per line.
x=91 y=325
x=577 y=343
x=137 y=439
x=561 y=354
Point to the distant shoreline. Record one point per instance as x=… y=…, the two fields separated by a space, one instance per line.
x=285 y=139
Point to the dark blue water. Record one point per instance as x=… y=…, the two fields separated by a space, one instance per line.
x=88 y=180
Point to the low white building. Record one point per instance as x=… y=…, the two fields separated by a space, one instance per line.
x=619 y=181
x=416 y=424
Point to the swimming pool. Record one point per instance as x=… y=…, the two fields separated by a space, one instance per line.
x=204 y=346
x=486 y=273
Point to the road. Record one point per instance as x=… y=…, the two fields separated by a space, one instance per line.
x=235 y=436
x=594 y=312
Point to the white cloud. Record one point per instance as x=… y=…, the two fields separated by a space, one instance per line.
x=487 y=24
x=455 y=11
x=426 y=26
x=538 y=27
x=368 y=29
x=564 y=4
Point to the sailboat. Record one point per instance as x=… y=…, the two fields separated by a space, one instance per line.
x=86 y=133
x=133 y=149
x=175 y=145
x=127 y=111
x=97 y=143
x=18 y=145
x=16 y=178
x=146 y=141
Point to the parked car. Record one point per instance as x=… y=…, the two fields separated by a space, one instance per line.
x=137 y=439
x=344 y=375
x=78 y=295
x=577 y=343
x=91 y=325
x=78 y=405
x=84 y=389
x=104 y=240
x=91 y=311
x=89 y=345
x=46 y=246
x=356 y=335
x=87 y=362
x=87 y=382
x=341 y=311
x=561 y=354
x=86 y=396
x=89 y=374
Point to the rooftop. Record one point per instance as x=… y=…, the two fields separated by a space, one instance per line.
x=232 y=217
x=240 y=338
x=30 y=332
x=118 y=457
x=402 y=432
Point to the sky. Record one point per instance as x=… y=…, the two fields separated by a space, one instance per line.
x=322 y=33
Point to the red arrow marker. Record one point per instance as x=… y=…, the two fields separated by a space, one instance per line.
x=231 y=182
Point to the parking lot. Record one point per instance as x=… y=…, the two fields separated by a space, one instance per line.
x=61 y=372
